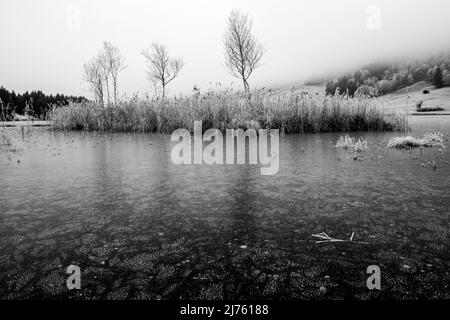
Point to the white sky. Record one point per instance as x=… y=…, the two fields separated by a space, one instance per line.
x=39 y=49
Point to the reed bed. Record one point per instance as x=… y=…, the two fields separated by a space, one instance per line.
x=290 y=112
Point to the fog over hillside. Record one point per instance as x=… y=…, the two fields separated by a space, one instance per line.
x=45 y=43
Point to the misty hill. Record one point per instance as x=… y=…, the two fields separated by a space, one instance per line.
x=379 y=79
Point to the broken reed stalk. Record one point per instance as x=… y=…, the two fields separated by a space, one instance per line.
x=326 y=238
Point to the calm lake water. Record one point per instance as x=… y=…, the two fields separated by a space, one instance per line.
x=141 y=227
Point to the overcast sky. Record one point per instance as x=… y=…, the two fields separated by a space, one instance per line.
x=43 y=46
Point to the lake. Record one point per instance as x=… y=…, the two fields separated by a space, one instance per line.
x=141 y=227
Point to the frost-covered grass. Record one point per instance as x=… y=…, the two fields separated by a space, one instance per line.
x=349 y=143
x=428 y=140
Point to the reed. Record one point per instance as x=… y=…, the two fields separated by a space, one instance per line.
x=290 y=112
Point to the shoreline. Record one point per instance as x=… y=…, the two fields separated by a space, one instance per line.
x=30 y=123
x=45 y=123
x=429 y=114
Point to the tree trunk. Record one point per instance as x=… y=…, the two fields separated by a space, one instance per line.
x=115 y=93
x=107 y=91
x=246 y=86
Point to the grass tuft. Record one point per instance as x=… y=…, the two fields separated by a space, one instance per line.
x=348 y=143
x=428 y=140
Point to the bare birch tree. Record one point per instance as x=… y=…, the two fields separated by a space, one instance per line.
x=243 y=52
x=93 y=75
x=103 y=71
x=113 y=63
x=161 y=66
